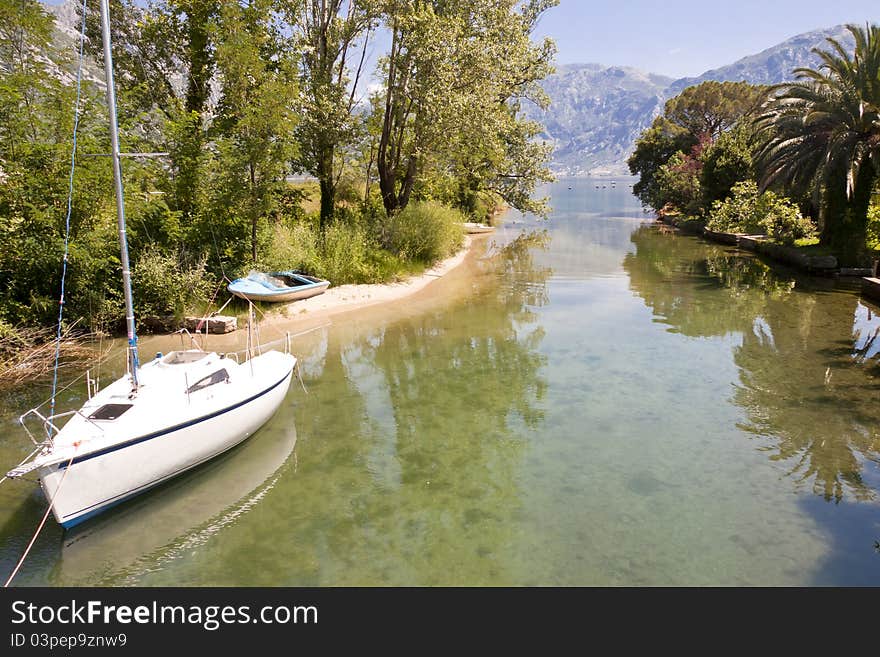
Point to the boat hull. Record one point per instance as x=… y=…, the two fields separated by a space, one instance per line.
x=96 y=482
x=291 y=295
x=472 y=228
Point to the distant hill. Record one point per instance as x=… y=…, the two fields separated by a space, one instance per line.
x=775 y=64
x=596 y=114
x=598 y=111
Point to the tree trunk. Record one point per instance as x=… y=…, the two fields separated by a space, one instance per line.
x=845 y=227
x=255 y=214
x=387 y=184
x=327 y=186
x=409 y=180
x=369 y=171
x=327 y=202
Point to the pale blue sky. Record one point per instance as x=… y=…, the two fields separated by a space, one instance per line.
x=681 y=37
x=687 y=37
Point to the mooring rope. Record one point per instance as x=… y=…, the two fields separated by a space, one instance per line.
x=76 y=113
x=43 y=521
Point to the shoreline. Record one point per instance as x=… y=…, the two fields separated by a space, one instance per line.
x=352 y=300
x=360 y=296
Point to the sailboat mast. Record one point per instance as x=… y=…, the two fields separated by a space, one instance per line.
x=120 y=203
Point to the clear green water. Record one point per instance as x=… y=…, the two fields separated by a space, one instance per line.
x=604 y=403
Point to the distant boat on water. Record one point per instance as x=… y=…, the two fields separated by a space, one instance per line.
x=277 y=286
x=473 y=228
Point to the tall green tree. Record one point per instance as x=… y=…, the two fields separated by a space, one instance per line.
x=153 y=48
x=710 y=108
x=823 y=133
x=700 y=114
x=728 y=161
x=654 y=148
x=332 y=36
x=255 y=120
x=452 y=78
x=36 y=122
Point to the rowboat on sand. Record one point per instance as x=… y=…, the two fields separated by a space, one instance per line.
x=277 y=286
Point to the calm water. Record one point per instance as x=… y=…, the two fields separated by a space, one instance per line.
x=596 y=401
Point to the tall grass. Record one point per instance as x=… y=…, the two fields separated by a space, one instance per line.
x=29 y=353
x=363 y=249
x=424 y=232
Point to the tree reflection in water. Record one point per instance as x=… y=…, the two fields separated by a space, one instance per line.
x=423 y=421
x=808 y=357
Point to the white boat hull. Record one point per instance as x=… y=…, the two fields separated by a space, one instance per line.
x=96 y=480
x=284 y=296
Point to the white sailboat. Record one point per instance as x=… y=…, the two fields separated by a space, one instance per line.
x=160 y=419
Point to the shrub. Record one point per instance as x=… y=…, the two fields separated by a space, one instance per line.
x=293 y=246
x=424 y=232
x=874 y=225
x=345 y=255
x=166 y=285
x=678 y=181
x=749 y=211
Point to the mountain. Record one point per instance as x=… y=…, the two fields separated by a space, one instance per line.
x=61 y=62
x=597 y=112
x=775 y=64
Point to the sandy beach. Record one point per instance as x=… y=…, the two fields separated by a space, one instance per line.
x=347 y=303
x=346 y=298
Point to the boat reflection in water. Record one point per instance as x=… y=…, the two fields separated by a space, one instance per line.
x=181 y=514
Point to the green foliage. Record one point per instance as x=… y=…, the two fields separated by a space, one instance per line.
x=708 y=109
x=255 y=121
x=424 y=232
x=874 y=225
x=726 y=162
x=328 y=38
x=822 y=134
x=344 y=252
x=678 y=182
x=700 y=116
x=347 y=255
x=239 y=95
x=164 y=285
x=654 y=148
x=445 y=60
x=295 y=246
x=750 y=211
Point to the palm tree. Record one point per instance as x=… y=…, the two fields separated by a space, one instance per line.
x=822 y=133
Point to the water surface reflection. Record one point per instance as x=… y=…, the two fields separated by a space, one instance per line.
x=808 y=361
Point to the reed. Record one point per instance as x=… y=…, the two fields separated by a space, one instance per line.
x=29 y=353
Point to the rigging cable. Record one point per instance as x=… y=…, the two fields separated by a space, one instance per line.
x=76 y=114
x=82 y=39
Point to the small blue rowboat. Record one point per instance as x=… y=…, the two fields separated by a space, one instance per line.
x=277 y=286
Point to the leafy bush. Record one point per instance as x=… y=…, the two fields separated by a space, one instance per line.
x=874 y=225
x=749 y=211
x=424 y=232
x=678 y=181
x=725 y=163
x=289 y=247
x=345 y=255
x=163 y=285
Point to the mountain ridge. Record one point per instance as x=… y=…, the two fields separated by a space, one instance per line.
x=597 y=111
